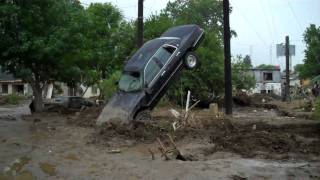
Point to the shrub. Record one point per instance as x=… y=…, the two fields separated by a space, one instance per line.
x=13 y=99
x=108 y=86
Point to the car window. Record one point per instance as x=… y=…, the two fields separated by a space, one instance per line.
x=156 y=63
x=152 y=69
x=164 y=54
x=130 y=81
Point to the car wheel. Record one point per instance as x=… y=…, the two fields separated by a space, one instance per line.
x=143 y=116
x=191 y=60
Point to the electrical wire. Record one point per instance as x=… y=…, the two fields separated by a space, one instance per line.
x=253 y=28
x=294 y=15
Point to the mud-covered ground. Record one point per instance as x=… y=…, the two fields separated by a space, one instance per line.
x=253 y=144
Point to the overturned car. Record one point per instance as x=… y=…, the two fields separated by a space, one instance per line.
x=149 y=72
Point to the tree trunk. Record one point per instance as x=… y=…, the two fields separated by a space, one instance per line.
x=37 y=93
x=85 y=91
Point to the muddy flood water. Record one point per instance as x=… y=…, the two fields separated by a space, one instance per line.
x=253 y=144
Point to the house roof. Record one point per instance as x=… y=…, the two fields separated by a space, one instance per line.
x=6 y=77
x=265 y=69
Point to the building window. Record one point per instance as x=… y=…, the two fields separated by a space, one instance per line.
x=263 y=91
x=267 y=76
x=270 y=91
x=4 y=88
x=18 y=89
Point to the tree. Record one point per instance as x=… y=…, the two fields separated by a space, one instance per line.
x=311 y=66
x=109 y=39
x=33 y=40
x=247 y=61
x=109 y=86
x=90 y=78
x=208 y=77
x=242 y=79
x=155 y=25
x=266 y=66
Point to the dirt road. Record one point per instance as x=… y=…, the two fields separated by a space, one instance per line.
x=47 y=146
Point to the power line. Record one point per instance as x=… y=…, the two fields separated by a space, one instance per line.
x=294 y=15
x=253 y=28
x=267 y=19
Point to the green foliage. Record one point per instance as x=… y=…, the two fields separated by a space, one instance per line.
x=208 y=77
x=56 y=40
x=90 y=78
x=36 y=38
x=109 y=86
x=311 y=66
x=14 y=99
x=241 y=76
x=105 y=49
x=247 y=61
x=155 y=25
x=316 y=114
x=266 y=66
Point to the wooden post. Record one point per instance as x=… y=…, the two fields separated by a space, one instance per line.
x=140 y=23
x=287 y=87
x=227 y=57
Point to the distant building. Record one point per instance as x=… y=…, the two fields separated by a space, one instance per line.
x=268 y=80
x=9 y=85
x=294 y=79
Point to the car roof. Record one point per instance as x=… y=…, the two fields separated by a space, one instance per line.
x=173 y=36
x=136 y=63
x=181 y=32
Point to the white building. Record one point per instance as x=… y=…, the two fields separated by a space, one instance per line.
x=267 y=80
x=10 y=85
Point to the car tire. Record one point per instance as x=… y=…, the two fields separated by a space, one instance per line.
x=143 y=116
x=191 y=60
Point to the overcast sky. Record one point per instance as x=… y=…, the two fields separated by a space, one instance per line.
x=260 y=24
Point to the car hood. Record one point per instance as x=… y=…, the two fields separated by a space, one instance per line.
x=121 y=108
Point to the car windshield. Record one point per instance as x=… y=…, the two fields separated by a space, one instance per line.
x=130 y=81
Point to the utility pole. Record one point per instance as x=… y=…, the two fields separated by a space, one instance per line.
x=227 y=58
x=287 y=53
x=140 y=23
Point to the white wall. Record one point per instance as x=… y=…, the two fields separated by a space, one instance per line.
x=276 y=87
x=89 y=92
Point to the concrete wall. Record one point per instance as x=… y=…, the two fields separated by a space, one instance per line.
x=90 y=92
x=276 y=75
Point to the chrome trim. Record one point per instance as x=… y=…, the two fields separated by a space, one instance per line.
x=174 y=72
x=164 y=66
x=168 y=38
x=194 y=45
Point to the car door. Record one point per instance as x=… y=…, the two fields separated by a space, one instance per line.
x=157 y=70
